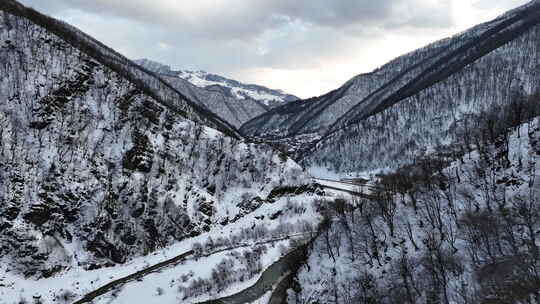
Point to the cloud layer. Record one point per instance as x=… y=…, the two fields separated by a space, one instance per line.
x=246 y=19
x=305 y=47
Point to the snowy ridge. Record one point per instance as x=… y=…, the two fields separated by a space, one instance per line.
x=146 y=81
x=202 y=79
x=215 y=98
x=219 y=101
x=323 y=111
x=270 y=98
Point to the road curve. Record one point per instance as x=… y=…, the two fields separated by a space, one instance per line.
x=116 y=283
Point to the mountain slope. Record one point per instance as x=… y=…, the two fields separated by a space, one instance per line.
x=474 y=44
x=233 y=101
x=441 y=115
x=202 y=79
x=233 y=110
x=99 y=170
x=145 y=80
x=418 y=100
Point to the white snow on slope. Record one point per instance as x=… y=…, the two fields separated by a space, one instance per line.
x=238 y=90
x=200 y=79
x=162 y=286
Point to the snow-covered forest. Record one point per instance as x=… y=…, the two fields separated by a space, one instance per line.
x=443 y=230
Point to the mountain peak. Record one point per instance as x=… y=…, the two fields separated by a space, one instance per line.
x=236 y=89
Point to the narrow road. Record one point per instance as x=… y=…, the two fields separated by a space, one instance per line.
x=349 y=191
x=341 y=182
x=137 y=275
x=354 y=193
x=366 y=186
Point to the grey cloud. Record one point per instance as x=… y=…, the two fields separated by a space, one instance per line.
x=365 y=12
x=294 y=34
x=245 y=19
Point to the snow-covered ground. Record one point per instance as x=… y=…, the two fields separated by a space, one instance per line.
x=264 y=299
x=201 y=79
x=163 y=286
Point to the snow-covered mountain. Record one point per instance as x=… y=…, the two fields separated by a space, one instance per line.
x=232 y=88
x=105 y=167
x=219 y=99
x=419 y=100
x=454 y=215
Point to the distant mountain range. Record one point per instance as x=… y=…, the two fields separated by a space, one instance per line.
x=230 y=87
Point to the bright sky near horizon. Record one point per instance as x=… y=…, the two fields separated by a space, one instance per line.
x=304 y=47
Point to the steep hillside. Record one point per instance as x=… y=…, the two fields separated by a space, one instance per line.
x=494 y=85
x=99 y=167
x=148 y=82
x=417 y=100
x=233 y=101
x=443 y=230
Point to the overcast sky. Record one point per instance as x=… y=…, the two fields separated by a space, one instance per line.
x=304 y=47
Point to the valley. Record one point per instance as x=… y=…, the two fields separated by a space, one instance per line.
x=129 y=182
